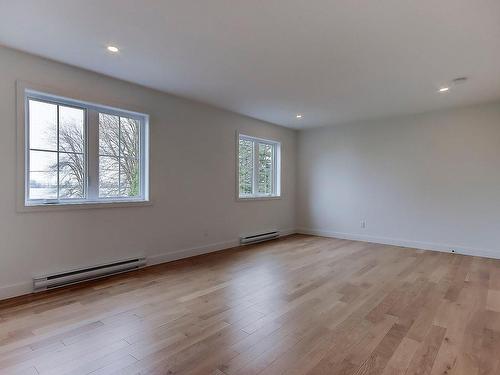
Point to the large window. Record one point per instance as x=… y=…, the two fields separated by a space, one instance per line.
x=83 y=153
x=258 y=167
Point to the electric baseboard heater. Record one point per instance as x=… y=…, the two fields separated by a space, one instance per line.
x=259 y=237
x=57 y=280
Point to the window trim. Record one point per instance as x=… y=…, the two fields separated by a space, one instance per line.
x=25 y=91
x=277 y=166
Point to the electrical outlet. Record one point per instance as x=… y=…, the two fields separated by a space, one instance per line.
x=363 y=224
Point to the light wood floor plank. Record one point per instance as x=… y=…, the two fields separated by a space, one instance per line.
x=297 y=306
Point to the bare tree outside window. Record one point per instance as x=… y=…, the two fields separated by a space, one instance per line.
x=71 y=161
x=59 y=162
x=119 y=166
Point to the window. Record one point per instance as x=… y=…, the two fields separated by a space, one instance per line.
x=258 y=167
x=83 y=153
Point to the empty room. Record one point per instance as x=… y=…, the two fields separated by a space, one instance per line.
x=238 y=187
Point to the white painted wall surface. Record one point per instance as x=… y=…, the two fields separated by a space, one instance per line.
x=192 y=173
x=430 y=181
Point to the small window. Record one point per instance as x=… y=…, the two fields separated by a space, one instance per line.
x=258 y=167
x=83 y=153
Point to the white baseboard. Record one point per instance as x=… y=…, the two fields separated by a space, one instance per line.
x=15 y=290
x=190 y=252
x=485 y=253
x=205 y=249
x=287 y=232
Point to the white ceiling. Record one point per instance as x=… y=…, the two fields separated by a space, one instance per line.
x=332 y=60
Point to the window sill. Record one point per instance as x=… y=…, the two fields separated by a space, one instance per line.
x=258 y=198
x=81 y=206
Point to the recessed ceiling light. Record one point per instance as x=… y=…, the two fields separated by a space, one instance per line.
x=299 y=116
x=444 y=89
x=113 y=49
x=459 y=80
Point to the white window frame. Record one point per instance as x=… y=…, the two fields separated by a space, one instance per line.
x=276 y=193
x=91 y=128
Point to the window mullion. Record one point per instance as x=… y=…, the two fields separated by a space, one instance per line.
x=92 y=155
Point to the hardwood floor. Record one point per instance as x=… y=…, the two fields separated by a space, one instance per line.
x=300 y=305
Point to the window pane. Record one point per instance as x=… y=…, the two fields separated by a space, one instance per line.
x=43 y=175
x=246 y=149
x=129 y=141
x=71 y=129
x=109 y=135
x=119 y=137
x=265 y=172
x=42 y=125
x=129 y=177
x=109 y=177
x=71 y=176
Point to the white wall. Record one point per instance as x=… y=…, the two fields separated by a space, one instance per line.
x=192 y=182
x=429 y=181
